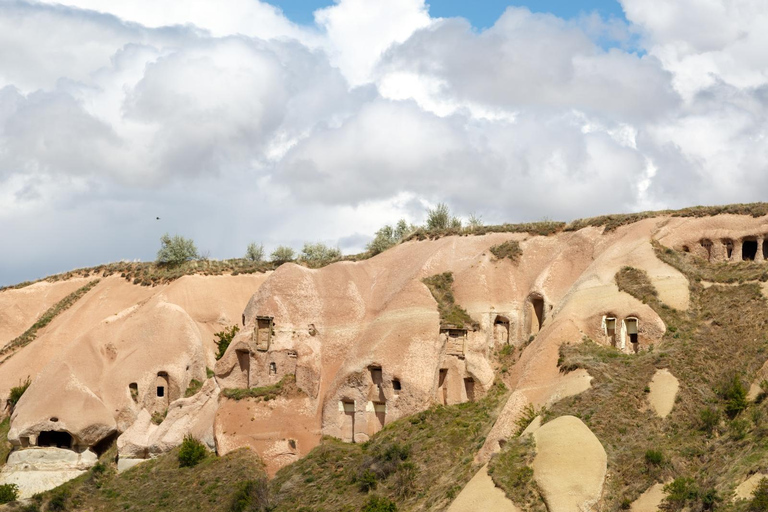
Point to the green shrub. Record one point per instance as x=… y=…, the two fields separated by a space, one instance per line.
x=193 y=388
x=16 y=392
x=438 y=217
x=388 y=236
x=509 y=249
x=59 y=498
x=710 y=419
x=319 y=255
x=225 y=337
x=654 y=457
x=734 y=392
x=680 y=492
x=8 y=493
x=252 y=496
x=255 y=252
x=192 y=452
x=379 y=504
x=176 y=250
x=759 y=501
x=367 y=481
x=739 y=428
x=282 y=254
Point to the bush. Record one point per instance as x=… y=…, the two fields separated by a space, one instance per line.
x=680 y=492
x=319 y=255
x=255 y=252
x=16 y=392
x=734 y=392
x=225 y=336
x=176 y=250
x=439 y=217
x=759 y=501
x=379 y=504
x=654 y=457
x=388 y=236
x=367 y=481
x=710 y=419
x=509 y=249
x=8 y=493
x=58 y=499
x=252 y=496
x=191 y=452
x=282 y=254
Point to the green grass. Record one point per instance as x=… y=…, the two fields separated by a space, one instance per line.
x=286 y=387
x=441 y=287
x=30 y=334
x=159 y=485
x=511 y=470
x=194 y=387
x=420 y=462
x=5 y=446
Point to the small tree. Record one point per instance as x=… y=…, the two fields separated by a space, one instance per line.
x=176 y=250
x=282 y=254
x=191 y=452
x=252 y=496
x=225 y=336
x=319 y=255
x=8 y=493
x=16 y=392
x=255 y=252
x=438 y=217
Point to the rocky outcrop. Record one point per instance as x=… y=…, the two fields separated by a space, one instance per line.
x=570 y=465
x=663 y=390
x=40 y=469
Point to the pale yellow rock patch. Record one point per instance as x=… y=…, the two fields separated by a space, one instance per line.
x=746 y=488
x=650 y=500
x=664 y=387
x=569 y=466
x=482 y=494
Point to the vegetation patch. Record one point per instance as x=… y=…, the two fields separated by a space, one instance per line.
x=225 y=337
x=451 y=314
x=419 y=463
x=5 y=446
x=194 y=388
x=511 y=470
x=509 y=249
x=30 y=334
x=286 y=387
x=636 y=283
x=191 y=452
x=8 y=493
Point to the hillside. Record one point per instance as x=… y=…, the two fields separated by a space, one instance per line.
x=631 y=349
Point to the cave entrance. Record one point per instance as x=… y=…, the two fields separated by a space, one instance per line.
x=728 y=244
x=707 y=245
x=380 y=411
x=535 y=316
x=749 y=249
x=610 y=330
x=244 y=362
x=442 y=386
x=348 y=421
x=469 y=387
x=55 y=438
x=161 y=387
x=631 y=326
x=501 y=329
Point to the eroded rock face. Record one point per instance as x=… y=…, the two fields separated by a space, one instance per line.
x=663 y=390
x=569 y=466
x=40 y=469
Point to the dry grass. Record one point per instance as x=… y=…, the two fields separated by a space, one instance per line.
x=509 y=249
x=159 y=484
x=722 y=335
x=5 y=446
x=511 y=470
x=286 y=387
x=636 y=283
x=721 y=272
x=451 y=314
x=30 y=334
x=439 y=445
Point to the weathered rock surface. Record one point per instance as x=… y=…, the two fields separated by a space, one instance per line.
x=650 y=500
x=747 y=487
x=663 y=392
x=570 y=465
x=36 y=470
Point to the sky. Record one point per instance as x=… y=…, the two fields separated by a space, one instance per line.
x=242 y=121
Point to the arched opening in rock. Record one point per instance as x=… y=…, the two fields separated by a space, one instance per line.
x=162 y=387
x=749 y=249
x=765 y=249
x=273 y=368
x=501 y=329
x=347 y=421
x=707 y=245
x=244 y=363
x=133 y=388
x=535 y=313
x=610 y=330
x=442 y=386
x=686 y=248
x=55 y=438
x=469 y=388
x=631 y=326
x=262 y=333
x=102 y=446
x=396 y=386
x=728 y=244
x=380 y=413
x=376 y=375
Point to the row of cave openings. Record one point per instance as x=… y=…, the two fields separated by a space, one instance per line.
x=752 y=248
x=630 y=327
x=161 y=388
